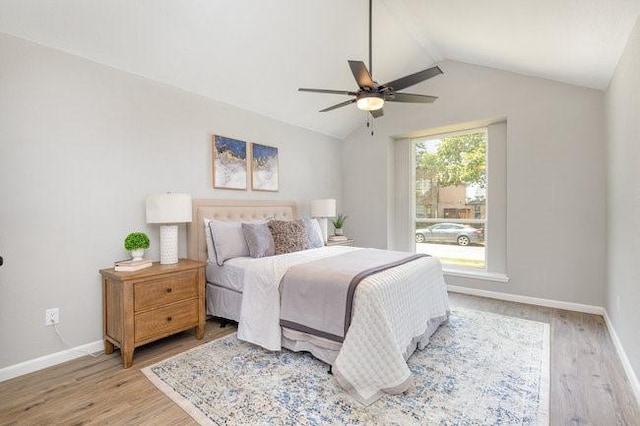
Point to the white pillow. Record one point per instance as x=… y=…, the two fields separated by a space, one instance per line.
x=228 y=240
x=211 y=254
x=314 y=233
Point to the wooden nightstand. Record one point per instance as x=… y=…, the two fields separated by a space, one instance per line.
x=348 y=242
x=146 y=305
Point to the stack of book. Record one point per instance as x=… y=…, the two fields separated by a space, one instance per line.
x=338 y=238
x=132 y=265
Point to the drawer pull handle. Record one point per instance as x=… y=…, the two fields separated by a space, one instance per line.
x=169 y=318
x=168 y=290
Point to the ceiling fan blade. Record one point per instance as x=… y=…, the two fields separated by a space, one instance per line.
x=412 y=79
x=340 y=105
x=410 y=97
x=333 y=92
x=377 y=113
x=361 y=74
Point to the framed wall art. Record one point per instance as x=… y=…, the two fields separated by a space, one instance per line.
x=264 y=167
x=229 y=163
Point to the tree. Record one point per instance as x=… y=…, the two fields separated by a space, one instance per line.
x=459 y=160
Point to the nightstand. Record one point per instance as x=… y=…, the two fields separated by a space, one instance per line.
x=348 y=242
x=146 y=305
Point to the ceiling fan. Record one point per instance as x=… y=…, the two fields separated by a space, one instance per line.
x=371 y=96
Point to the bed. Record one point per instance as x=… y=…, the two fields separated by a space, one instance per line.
x=394 y=310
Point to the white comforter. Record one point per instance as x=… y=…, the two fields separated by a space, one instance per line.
x=391 y=309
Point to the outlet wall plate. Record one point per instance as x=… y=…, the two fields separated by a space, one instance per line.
x=51 y=316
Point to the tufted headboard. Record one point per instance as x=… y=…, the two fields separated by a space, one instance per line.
x=237 y=210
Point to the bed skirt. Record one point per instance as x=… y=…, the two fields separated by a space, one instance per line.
x=224 y=303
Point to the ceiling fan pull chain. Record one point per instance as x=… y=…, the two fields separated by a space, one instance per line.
x=370 y=125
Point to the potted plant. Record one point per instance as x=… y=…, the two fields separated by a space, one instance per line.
x=136 y=243
x=338 y=223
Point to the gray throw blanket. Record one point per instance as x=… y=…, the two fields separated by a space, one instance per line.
x=317 y=297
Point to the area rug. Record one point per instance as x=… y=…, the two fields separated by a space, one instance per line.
x=479 y=369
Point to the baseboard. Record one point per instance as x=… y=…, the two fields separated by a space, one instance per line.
x=549 y=303
x=36 y=364
x=631 y=375
x=576 y=307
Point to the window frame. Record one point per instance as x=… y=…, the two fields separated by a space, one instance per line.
x=496 y=212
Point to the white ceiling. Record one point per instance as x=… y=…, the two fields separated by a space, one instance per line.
x=255 y=54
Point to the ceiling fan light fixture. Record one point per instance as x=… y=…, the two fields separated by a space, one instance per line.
x=370 y=101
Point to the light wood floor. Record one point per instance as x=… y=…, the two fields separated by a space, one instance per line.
x=588 y=385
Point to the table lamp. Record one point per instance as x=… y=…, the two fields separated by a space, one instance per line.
x=322 y=209
x=168 y=209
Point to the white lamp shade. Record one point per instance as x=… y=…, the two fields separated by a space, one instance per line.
x=169 y=208
x=323 y=208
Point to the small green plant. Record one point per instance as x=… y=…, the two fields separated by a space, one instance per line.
x=136 y=240
x=338 y=222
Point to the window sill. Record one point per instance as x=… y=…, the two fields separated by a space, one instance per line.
x=481 y=275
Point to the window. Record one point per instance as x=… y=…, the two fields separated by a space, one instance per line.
x=451 y=181
x=483 y=208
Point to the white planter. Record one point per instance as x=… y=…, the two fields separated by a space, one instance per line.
x=137 y=254
x=338 y=231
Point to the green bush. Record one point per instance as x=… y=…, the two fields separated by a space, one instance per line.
x=136 y=240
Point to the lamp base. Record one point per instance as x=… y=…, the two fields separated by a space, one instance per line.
x=168 y=244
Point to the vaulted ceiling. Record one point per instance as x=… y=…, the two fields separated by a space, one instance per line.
x=255 y=54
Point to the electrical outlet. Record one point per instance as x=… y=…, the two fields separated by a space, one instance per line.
x=51 y=316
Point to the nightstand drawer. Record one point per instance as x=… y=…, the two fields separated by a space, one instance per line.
x=165 y=290
x=166 y=320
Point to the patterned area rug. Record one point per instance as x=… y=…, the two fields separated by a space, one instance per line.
x=479 y=369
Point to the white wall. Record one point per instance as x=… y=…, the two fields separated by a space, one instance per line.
x=556 y=242
x=81 y=145
x=622 y=103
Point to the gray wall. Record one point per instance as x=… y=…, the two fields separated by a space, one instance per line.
x=623 y=199
x=81 y=145
x=556 y=241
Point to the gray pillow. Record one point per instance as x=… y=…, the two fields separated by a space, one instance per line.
x=259 y=239
x=314 y=233
x=228 y=240
x=288 y=236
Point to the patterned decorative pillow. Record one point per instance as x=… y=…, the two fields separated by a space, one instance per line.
x=288 y=236
x=314 y=233
x=259 y=239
